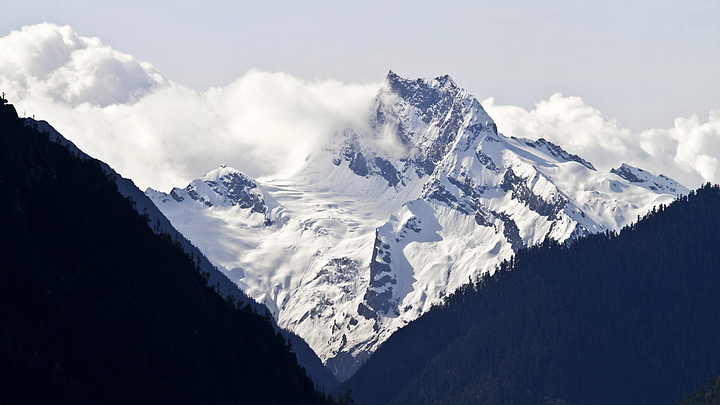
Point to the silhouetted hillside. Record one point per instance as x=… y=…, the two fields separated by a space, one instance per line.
x=306 y=357
x=95 y=308
x=707 y=395
x=632 y=318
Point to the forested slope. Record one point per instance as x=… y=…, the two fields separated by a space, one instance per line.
x=95 y=308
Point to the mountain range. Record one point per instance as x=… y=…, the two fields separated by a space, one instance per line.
x=396 y=212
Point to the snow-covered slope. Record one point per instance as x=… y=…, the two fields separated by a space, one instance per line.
x=396 y=213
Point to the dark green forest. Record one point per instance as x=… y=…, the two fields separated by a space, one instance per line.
x=628 y=318
x=97 y=309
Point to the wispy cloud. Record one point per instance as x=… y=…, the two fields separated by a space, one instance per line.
x=163 y=134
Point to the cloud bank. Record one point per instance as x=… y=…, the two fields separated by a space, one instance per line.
x=162 y=134
x=54 y=62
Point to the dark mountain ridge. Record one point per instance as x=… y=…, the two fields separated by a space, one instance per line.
x=628 y=318
x=95 y=308
x=706 y=395
x=242 y=190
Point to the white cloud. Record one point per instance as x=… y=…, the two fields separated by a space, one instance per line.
x=688 y=152
x=162 y=134
x=54 y=62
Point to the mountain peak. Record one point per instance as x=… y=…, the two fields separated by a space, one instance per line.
x=422 y=92
x=223 y=187
x=413 y=125
x=642 y=178
x=446 y=81
x=224 y=171
x=439 y=81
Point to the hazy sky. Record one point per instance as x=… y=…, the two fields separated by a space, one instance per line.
x=643 y=63
x=165 y=91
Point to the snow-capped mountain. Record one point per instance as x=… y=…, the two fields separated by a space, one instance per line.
x=396 y=213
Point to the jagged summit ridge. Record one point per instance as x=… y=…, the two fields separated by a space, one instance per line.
x=558 y=152
x=412 y=126
x=396 y=212
x=431 y=97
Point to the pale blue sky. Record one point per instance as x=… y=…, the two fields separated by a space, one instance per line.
x=643 y=63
